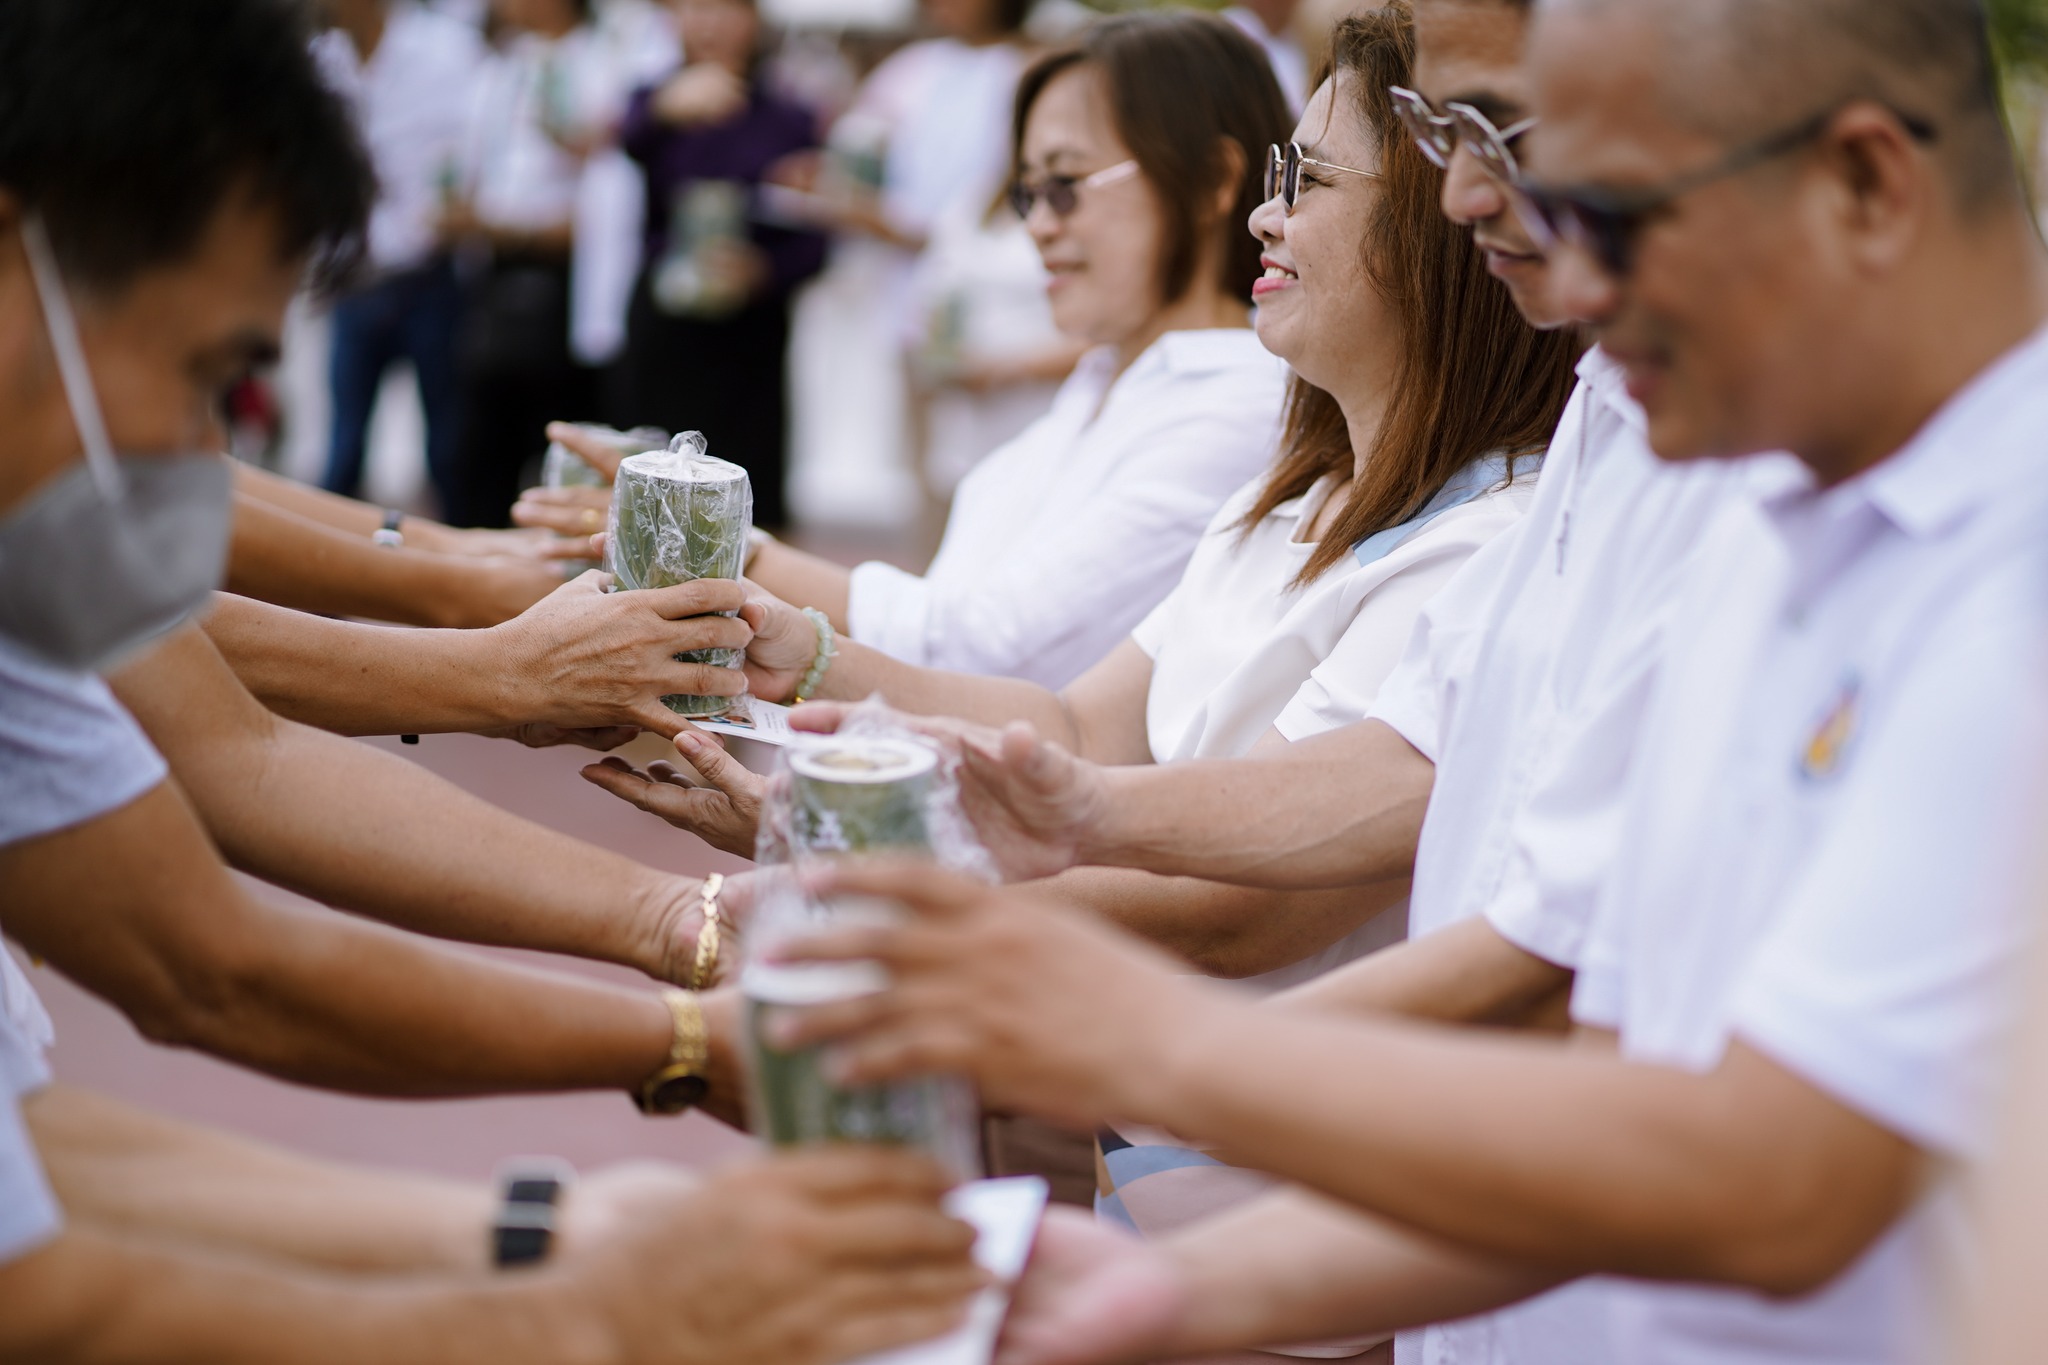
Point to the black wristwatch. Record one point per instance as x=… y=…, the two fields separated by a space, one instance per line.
x=529 y=1192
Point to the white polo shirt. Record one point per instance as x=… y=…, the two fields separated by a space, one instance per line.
x=1526 y=681
x=1828 y=816
x=1060 y=542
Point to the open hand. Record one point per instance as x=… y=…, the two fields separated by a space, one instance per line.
x=584 y=658
x=1092 y=1294
x=1032 y=803
x=726 y=814
x=573 y=513
x=1050 y=1011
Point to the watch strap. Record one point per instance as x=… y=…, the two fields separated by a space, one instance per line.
x=529 y=1195
x=680 y=1081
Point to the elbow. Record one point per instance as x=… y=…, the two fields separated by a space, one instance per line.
x=1787 y=1244
x=201 y=1001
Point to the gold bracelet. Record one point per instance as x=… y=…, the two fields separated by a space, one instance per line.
x=708 y=939
x=680 y=1082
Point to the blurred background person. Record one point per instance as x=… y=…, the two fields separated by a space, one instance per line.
x=709 y=324
x=928 y=129
x=986 y=357
x=530 y=128
x=410 y=72
x=1271 y=24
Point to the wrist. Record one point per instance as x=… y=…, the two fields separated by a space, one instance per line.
x=668 y=919
x=494 y=677
x=1103 y=835
x=1182 y=1034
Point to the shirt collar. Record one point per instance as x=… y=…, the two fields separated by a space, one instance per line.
x=1981 y=446
x=1203 y=351
x=1607 y=382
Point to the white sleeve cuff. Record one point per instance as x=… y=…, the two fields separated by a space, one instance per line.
x=887 y=609
x=29 y=1215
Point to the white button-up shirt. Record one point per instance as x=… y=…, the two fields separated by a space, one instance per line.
x=412 y=100
x=1825 y=824
x=1061 y=541
x=1526 y=681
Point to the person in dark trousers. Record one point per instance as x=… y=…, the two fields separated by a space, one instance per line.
x=410 y=72
x=709 y=326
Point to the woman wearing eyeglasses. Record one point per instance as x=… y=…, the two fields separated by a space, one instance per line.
x=1419 y=402
x=1135 y=196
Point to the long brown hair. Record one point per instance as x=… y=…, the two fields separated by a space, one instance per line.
x=1475 y=378
x=1181 y=85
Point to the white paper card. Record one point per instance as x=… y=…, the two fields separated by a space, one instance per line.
x=1005 y=1212
x=761 y=720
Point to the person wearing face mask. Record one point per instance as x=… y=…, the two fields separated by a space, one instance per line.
x=130 y=1238
x=1061 y=541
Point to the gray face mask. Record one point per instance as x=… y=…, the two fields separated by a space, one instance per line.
x=116 y=550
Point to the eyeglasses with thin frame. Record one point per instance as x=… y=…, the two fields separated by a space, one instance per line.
x=1283 y=172
x=1440 y=135
x=1606 y=224
x=1062 y=193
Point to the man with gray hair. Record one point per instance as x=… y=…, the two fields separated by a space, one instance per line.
x=1795 y=225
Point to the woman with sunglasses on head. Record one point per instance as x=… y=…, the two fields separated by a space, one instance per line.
x=1419 y=401
x=1060 y=541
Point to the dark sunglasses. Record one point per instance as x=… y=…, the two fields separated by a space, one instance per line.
x=1440 y=135
x=1062 y=193
x=1283 y=172
x=1606 y=224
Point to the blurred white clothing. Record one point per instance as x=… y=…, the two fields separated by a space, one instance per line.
x=1831 y=819
x=412 y=101
x=530 y=95
x=980 y=292
x=634 y=44
x=1290 y=63
x=1063 y=540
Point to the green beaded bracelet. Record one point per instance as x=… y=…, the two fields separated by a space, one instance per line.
x=828 y=649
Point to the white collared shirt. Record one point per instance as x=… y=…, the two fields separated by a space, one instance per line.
x=1526 y=682
x=1060 y=542
x=1835 y=789
x=412 y=101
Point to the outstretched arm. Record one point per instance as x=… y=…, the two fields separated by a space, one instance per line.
x=580 y=661
x=1563 y=1157
x=280 y=556
x=356 y=827
x=136 y=907
x=1338 y=809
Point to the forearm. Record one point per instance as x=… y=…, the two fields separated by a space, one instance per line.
x=1463 y=974
x=858 y=672
x=1292 y=1267
x=133 y=1173
x=283 y=557
x=96 y=1299
x=803 y=580
x=402 y=845
x=1227 y=931
x=1339 y=809
x=350 y=515
x=357 y=679
x=1559 y=1157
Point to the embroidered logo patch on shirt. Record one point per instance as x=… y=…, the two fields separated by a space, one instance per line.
x=1829 y=744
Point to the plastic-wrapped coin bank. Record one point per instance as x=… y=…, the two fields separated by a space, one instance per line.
x=678 y=515
x=845 y=796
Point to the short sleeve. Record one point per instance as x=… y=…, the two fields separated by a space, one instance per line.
x=1888 y=978
x=888 y=609
x=29 y=1215
x=69 y=753
x=1440 y=646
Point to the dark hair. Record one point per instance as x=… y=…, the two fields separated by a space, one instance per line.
x=1475 y=377
x=1181 y=86
x=128 y=124
x=1010 y=15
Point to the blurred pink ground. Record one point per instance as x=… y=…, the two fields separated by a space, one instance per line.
x=96 y=1048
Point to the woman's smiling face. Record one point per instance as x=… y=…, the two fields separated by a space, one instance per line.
x=1318 y=308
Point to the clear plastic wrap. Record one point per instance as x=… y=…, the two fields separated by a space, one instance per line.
x=679 y=515
x=876 y=787
x=562 y=467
